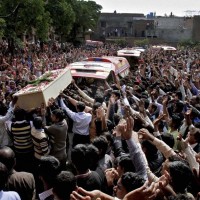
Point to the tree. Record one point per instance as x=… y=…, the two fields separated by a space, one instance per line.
x=62 y=16
x=25 y=15
x=87 y=15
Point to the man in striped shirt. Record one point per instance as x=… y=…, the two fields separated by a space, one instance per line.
x=20 y=131
x=39 y=138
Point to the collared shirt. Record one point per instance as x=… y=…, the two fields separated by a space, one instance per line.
x=81 y=120
x=10 y=195
x=45 y=194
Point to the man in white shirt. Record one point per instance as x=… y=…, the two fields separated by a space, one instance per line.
x=81 y=122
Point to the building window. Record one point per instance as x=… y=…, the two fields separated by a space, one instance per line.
x=103 y=24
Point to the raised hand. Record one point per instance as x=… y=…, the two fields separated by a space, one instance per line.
x=128 y=128
x=144 y=134
x=82 y=194
x=111 y=175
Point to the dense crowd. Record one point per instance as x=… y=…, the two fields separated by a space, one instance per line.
x=135 y=139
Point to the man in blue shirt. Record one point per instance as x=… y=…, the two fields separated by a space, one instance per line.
x=81 y=122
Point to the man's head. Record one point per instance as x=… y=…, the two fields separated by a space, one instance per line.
x=194 y=135
x=128 y=182
x=99 y=98
x=180 y=174
x=7 y=157
x=64 y=184
x=102 y=144
x=124 y=165
x=116 y=94
x=57 y=115
x=79 y=157
x=20 y=114
x=80 y=106
x=48 y=169
x=175 y=121
x=37 y=122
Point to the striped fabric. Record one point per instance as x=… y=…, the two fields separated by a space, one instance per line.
x=40 y=142
x=22 y=140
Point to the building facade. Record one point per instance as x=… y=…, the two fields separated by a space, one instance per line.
x=169 y=29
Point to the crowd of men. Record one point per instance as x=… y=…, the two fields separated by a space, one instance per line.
x=135 y=139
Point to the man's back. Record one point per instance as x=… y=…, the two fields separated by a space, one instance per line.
x=21 y=133
x=90 y=181
x=58 y=137
x=9 y=195
x=23 y=183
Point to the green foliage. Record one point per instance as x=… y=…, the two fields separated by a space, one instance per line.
x=120 y=42
x=87 y=15
x=141 y=43
x=189 y=43
x=2 y=26
x=22 y=15
x=63 y=17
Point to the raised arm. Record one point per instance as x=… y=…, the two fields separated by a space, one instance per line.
x=134 y=148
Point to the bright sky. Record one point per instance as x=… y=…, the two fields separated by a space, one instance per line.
x=161 y=7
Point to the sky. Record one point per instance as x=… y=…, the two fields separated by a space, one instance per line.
x=160 y=7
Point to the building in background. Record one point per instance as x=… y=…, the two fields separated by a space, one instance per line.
x=167 y=28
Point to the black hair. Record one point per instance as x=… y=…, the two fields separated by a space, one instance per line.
x=151 y=149
x=102 y=144
x=37 y=122
x=181 y=175
x=132 y=181
x=116 y=118
x=7 y=157
x=3 y=109
x=93 y=156
x=110 y=125
x=116 y=93
x=80 y=106
x=64 y=185
x=49 y=168
x=176 y=157
x=179 y=106
x=20 y=114
x=59 y=114
x=96 y=105
x=197 y=135
x=179 y=95
x=99 y=98
x=176 y=121
x=168 y=139
x=79 y=157
x=109 y=137
x=126 y=163
x=3 y=176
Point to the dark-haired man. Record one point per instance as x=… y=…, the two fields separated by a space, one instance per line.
x=58 y=136
x=81 y=122
x=21 y=182
x=20 y=131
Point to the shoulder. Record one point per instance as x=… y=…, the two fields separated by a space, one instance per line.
x=21 y=177
x=11 y=195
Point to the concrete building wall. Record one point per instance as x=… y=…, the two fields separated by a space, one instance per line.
x=174 y=29
x=196 y=28
x=174 y=35
x=171 y=29
x=117 y=24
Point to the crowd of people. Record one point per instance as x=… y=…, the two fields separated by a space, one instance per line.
x=135 y=139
